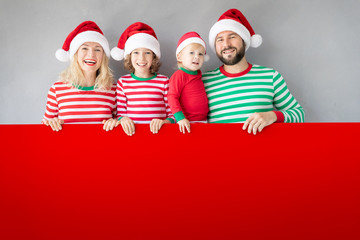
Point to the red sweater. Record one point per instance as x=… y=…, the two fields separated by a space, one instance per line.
x=187 y=97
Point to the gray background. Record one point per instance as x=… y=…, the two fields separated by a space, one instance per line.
x=314 y=44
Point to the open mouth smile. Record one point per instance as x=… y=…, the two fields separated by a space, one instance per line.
x=90 y=62
x=228 y=51
x=141 y=64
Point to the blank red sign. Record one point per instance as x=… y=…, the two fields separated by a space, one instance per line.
x=292 y=181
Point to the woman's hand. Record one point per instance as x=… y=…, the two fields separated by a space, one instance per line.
x=184 y=123
x=110 y=124
x=127 y=125
x=54 y=123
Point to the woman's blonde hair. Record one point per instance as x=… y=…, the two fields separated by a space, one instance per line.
x=155 y=66
x=74 y=76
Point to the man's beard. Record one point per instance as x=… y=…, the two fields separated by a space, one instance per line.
x=236 y=59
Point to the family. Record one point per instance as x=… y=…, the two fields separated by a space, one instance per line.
x=236 y=92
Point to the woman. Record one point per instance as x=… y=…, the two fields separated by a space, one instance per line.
x=85 y=92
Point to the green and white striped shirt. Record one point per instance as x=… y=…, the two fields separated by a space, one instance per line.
x=234 y=97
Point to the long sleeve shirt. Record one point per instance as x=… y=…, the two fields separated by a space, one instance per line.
x=80 y=104
x=187 y=96
x=234 y=97
x=143 y=99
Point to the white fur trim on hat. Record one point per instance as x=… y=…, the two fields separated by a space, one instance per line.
x=190 y=41
x=228 y=25
x=88 y=36
x=142 y=40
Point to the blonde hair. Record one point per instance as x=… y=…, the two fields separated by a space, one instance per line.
x=154 y=68
x=74 y=76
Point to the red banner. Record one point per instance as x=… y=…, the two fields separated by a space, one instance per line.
x=292 y=181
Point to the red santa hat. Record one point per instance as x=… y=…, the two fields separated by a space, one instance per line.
x=137 y=35
x=188 y=38
x=234 y=20
x=87 y=31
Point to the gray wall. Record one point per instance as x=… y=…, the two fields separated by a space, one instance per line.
x=314 y=44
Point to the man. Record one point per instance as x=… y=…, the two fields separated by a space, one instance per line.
x=240 y=92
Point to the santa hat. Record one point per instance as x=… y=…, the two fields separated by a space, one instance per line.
x=137 y=35
x=234 y=20
x=87 y=31
x=189 y=38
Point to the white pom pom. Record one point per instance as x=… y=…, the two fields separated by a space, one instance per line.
x=62 y=55
x=206 y=58
x=117 y=54
x=256 y=41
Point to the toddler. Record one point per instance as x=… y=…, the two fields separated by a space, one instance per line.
x=187 y=96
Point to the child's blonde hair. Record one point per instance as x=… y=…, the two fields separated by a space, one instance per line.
x=74 y=76
x=154 y=68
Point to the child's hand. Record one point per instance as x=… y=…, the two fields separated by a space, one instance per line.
x=184 y=124
x=110 y=124
x=54 y=123
x=156 y=124
x=127 y=125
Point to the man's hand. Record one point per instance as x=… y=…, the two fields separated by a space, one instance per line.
x=257 y=121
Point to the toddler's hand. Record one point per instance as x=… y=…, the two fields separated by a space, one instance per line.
x=184 y=124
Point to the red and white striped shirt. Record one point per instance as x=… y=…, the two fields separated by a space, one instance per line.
x=81 y=104
x=143 y=99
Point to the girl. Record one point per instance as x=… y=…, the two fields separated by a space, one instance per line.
x=85 y=92
x=142 y=94
x=187 y=96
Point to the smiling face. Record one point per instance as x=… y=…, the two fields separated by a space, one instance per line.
x=89 y=57
x=230 y=47
x=191 y=57
x=141 y=60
